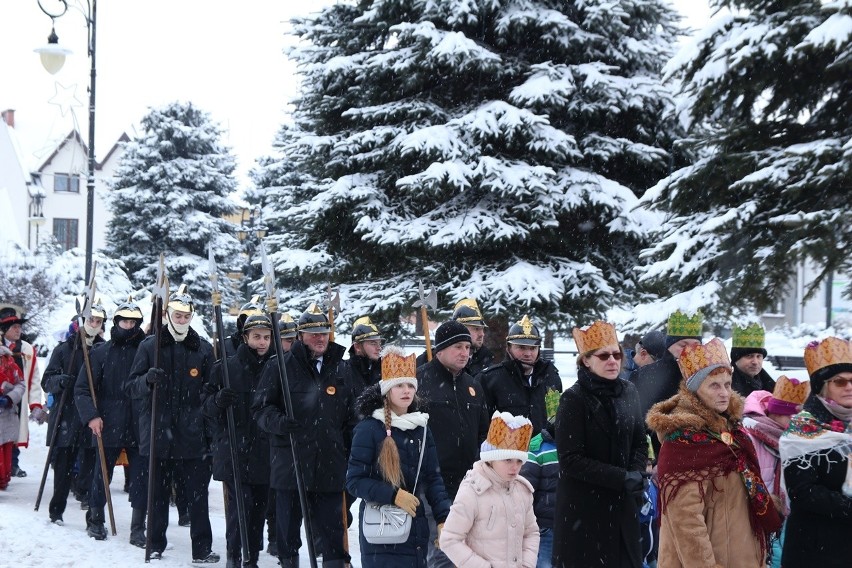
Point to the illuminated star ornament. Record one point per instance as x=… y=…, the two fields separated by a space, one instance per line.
x=66 y=98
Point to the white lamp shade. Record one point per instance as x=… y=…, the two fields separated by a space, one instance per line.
x=52 y=57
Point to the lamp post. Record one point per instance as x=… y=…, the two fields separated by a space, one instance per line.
x=53 y=58
x=252 y=226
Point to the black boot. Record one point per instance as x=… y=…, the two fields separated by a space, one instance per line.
x=338 y=563
x=137 y=528
x=95 y=525
x=292 y=562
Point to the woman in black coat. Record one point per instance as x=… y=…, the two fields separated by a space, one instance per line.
x=391 y=407
x=815 y=452
x=600 y=438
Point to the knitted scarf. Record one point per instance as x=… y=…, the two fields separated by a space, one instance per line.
x=691 y=455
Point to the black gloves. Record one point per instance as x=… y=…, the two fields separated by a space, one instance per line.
x=226 y=397
x=635 y=484
x=66 y=381
x=288 y=425
x=155 y=376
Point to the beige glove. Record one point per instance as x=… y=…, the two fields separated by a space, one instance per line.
x=406 y=501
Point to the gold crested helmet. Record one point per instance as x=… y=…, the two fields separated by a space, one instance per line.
x=287 y=326
x=524 y=332
x=181 y=301
x=313 y=320
x=364 y=330
x=467 y=311
x=127 y=309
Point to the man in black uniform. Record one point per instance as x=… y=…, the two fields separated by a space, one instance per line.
x=322 y=426
x=747 y=355
x=114 y=420
x=181 y=444
x=61 y=374
x=251 y=308
x=458 y=417
x=519 y=384
x=244 y=370
x=364 y=366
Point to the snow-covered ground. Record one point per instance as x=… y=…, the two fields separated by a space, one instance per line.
x=30 y=540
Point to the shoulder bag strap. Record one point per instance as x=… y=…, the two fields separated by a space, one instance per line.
x=419 y=462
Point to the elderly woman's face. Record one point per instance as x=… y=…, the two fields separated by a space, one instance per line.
x=715 y=391
x=839 y=389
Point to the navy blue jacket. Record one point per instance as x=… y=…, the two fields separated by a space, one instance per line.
x=364 y=480
x=244 y=369
x=111 y=363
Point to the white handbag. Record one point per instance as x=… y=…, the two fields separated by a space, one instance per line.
x=387 y=523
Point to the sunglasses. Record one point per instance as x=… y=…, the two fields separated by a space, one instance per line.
x=841 y=382
x=605 y=356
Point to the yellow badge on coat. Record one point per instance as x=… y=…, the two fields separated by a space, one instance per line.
x=472 y=391
x=330 y=390
x=194 y=372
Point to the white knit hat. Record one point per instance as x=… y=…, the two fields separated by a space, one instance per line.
x=508 y=438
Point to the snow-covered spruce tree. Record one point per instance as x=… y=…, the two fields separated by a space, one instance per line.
x=170 y=195
x=494 y=148
x=767 y=88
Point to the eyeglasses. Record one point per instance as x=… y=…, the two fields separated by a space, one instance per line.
x=841 y=382
x=605 y=356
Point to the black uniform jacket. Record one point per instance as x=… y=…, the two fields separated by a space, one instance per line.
x=507 y=390
x=322 y=404
x=179 y=421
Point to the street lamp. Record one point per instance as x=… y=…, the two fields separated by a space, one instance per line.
x=53 y=58
x=252 y=226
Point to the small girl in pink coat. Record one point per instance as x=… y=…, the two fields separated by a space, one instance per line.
x=492 y=522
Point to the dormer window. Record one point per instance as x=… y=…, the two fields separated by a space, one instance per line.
x=66 y=183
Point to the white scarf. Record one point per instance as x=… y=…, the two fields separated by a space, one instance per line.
x=807 y=440
x=408 y=421
x=91 y=333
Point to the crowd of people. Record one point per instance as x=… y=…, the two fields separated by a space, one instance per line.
x=677 y=453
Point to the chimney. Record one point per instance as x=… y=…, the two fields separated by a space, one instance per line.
x=9 y=117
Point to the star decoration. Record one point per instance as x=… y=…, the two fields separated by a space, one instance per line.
x=65 y=98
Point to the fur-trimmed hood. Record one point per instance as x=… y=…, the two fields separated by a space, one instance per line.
x=686 y=411
x=371 y=398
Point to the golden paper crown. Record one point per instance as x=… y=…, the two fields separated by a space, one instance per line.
x=789 y=391
x=829 y=351
x=397 y=365
x=599 y=334
x=502 y=436
x=693 y=358
x=682 y=325
x=750 y=337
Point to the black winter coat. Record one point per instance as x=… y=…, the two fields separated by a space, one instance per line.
x=67 y=358
x=111 y=363
x=359 y=372
x=600 y=437
x=458 y=419
x=507 y=390
x=364 y=480
x=323 y=404
x=745 y=385
x=479 y=360
x=820 y=523
x=656 y=382
x=244 y=370
x=180 y=424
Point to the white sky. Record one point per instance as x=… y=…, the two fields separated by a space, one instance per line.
x=225 y=57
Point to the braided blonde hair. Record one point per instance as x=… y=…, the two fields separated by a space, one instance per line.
x=389 y=463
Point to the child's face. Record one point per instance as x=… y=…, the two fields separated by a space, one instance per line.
x=508 y=470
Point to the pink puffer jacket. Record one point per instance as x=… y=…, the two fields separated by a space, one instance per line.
x=491 y=522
